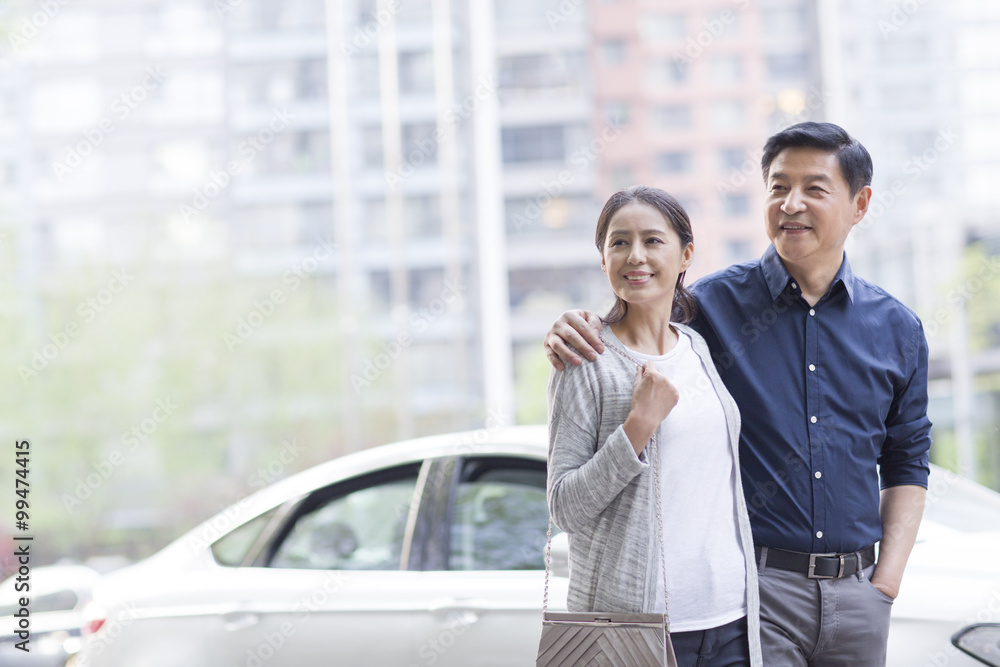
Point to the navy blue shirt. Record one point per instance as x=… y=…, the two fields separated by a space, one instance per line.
x=830 y=396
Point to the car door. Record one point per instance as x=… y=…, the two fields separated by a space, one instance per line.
x=326 y=587
x=484 y=561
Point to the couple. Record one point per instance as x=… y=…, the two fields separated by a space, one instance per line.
x=829 y=374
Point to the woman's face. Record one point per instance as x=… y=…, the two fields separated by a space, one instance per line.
x=643 y=256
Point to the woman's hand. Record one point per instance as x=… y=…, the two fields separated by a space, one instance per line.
x=653 y=397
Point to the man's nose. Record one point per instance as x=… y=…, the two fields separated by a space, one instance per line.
x=793 y=202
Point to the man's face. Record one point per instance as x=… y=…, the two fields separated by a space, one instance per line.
x=809 y=209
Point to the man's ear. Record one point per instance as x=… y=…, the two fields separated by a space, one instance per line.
x=862 y=201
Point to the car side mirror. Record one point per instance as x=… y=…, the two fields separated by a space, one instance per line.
x=560 y=555
x=981 y=641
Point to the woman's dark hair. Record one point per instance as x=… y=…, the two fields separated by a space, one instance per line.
x=684 y=307
x=855 y=161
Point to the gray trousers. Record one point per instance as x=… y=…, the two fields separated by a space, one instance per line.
x=822 y=622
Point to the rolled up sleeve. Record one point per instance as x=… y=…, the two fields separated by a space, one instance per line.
x=906 y=451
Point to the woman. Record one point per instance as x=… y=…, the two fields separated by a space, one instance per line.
x=656 y=378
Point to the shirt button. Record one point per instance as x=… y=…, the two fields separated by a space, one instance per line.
x=794 y=286
x=819 y=533
x=812 y=312
x=812 y=367
x=813 y=419
x=818 y=474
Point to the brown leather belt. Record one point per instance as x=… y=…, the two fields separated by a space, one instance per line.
x=818 y=566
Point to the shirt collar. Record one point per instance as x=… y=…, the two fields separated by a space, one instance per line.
x=777 y=276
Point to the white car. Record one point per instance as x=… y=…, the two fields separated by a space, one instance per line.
x=429 y=552
x=57 y=595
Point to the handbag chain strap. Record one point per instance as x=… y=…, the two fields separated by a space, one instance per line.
x=655 y=462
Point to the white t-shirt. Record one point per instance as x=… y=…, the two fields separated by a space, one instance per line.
x=706 y=568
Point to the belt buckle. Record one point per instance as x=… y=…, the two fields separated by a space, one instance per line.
x=811 y=574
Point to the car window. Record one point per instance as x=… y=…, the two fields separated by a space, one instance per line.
x=359 y=530
x=64 y=600
x=499 y=519
x=232 y=548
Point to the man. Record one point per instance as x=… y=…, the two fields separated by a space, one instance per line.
x=830 y=374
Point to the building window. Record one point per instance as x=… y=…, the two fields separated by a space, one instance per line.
x=782 y=22
x=727 y=25
x=545 y=143
x=728 y=114
x=676 y=162
x=371 y=138
x=725 y=69
x=663 y=28
x=422 y=216
x=416 y=72
x=621 y=176
x=731 y=159
x=294 y=152
x=616 y=113
x=613 y=51
x=735 y=205
x=666 y=72
x=366 y=70
x=541 y=71
x=419 y=144
x=688 y=202
x=541 y=213
x=672 y=117
x=738 y=251
x=787 y=66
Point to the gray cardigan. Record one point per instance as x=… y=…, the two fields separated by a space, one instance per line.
x=603 y=496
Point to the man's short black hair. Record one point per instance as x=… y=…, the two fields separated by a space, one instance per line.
x=855 y=162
